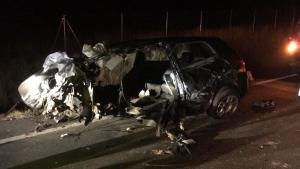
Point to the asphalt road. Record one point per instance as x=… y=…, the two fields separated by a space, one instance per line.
x=251 y=139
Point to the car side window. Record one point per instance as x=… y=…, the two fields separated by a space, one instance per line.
x=155 y=54
x=200 y=51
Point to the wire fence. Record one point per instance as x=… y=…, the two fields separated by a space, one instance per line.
x=202 y=20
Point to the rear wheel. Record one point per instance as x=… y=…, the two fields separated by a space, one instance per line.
x=224 y=104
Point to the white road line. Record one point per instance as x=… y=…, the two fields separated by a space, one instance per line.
x=51 y=130
x=33 y=134
x=275 y=79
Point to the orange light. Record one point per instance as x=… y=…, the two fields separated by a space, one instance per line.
x=292 y=47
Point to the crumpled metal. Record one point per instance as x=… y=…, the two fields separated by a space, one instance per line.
x=60 y=89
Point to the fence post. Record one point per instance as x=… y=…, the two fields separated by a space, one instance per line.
x=230 y=18
x=122 y=25
x=65 y=33
x=201 y=21
x=275 y=18
x=167 y=22
x=254 y=20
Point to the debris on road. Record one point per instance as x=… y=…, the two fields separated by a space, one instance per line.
x=129 y=129
x=280 y=164
x=17 y=114
x=67 y=135
x=180 y=141
x=263 y=105
x=161 y=152
x=269 y=144
x=42 y=126
x=64 y=135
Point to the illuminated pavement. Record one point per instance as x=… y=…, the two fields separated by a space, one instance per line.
x=250 y=139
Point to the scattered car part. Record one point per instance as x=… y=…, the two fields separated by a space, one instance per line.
x=67 y=135
x=161 y=152
x=263 y=105
x=42 y=126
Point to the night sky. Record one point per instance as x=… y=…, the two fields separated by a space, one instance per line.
x=33 y=20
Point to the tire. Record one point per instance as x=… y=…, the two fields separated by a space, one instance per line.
x=224 y=104
x=243 y=83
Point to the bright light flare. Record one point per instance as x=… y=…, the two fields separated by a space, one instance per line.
x=292 y=47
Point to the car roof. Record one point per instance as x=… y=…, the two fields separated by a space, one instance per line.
x=142 y=42
x=221 y=47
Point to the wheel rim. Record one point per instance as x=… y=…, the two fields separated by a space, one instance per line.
x=227 y=106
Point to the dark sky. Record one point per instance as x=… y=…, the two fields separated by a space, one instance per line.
x=51 y=6
x=32 y=19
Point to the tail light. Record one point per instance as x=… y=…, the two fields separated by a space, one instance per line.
x=242 y=65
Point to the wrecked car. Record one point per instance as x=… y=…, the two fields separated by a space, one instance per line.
x=160 y=79
x=205 y=74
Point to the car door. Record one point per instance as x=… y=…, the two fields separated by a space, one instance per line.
x=198 y=64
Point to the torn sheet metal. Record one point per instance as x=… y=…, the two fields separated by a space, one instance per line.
x=56 y=68
x=60 y=90
x=114 y=68
x=97 y=50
